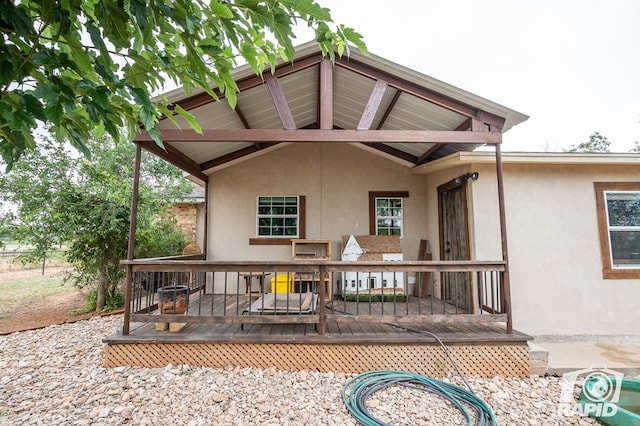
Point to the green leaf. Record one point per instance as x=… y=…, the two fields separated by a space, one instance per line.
x=221 y=9
x=189 y=117
x=114 y=21
x=147 y=112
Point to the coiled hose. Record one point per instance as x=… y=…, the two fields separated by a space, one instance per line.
x=359 y=388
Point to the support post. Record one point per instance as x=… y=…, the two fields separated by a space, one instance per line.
x=132 y=238
x=205 y=239
x=322 y=325
x=506 y=286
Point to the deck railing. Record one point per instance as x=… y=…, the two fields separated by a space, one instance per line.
x=313 y=292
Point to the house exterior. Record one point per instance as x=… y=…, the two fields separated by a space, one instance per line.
x=563 y=283
x=372 y=247
x=319 y=150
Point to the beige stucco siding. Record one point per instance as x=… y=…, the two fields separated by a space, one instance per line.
x=334 y=178
x=554 y=251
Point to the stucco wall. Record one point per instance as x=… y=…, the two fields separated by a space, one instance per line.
x=554 y=250
x=336 y=180
x=556 y=280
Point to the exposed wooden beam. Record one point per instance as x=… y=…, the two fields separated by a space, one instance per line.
x=174 y=157
x=394 y=152
x=235 y=155
x=252 y=81
x=464 y=126
x=313 y=135
x=386 y=114
x=372 y=106
x=280 y=102
x=422 y=92
x=325 y=95
x=428 y=153
x=242 y=117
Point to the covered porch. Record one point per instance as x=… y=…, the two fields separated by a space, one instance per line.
x=335 y=138
x=382 y=329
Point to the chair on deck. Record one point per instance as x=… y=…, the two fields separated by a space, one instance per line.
x=283 y=304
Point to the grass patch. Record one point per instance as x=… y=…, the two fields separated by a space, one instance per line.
x=365 y=297
x=18 y=292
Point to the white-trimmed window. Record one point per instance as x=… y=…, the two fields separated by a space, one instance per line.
x=623 y=220
x=618 y=208
x=278 y=217
x=389 y=215
x=386 y=212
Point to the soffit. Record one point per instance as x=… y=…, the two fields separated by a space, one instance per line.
x=354 y=80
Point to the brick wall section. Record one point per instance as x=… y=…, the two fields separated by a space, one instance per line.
x=186 y=215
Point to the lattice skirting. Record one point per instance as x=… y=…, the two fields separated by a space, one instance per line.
x=473 y=360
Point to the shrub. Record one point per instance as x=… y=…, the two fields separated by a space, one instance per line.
x=366 y=297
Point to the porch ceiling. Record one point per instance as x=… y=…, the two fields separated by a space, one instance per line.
x=397 y=112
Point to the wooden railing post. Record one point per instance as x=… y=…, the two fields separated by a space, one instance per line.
x=322 y=324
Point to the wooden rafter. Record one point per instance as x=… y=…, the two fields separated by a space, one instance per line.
x=281 y=104
x=394 y=152
x=386 y=114
x=251 y=81
x=373 y=105
x=428 y=153
x=422 y=92
x=236 y=155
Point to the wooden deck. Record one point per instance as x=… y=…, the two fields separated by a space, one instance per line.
x=480 y=348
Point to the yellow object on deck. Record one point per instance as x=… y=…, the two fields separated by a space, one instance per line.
x=282 y=283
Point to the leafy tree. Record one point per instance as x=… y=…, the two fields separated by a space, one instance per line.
x=87 y=203
x=26 y=194
x=636 y=147
x=596 y=143
x=89 y=67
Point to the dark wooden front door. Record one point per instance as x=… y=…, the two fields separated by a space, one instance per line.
x=454 y=241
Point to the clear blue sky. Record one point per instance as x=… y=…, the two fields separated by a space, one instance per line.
x=573 y=66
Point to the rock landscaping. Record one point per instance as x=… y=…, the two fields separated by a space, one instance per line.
x=54 y=376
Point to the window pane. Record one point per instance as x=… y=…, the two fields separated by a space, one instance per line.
x=623 y=208
x=625 y=248
x=291 y=222
x=262 y=231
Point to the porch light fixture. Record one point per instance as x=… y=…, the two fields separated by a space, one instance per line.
x=466 y=176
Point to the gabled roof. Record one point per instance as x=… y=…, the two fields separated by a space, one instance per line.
x=376 y=104
x=373 y=245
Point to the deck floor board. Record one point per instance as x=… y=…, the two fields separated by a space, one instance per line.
x=357 y=332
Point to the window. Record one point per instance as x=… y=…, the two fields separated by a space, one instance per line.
x=618 y=206
x=386 y=213
x=278 y=217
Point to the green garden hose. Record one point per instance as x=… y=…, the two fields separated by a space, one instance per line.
x=359 y=388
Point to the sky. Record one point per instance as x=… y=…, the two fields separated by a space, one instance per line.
x=572 y=66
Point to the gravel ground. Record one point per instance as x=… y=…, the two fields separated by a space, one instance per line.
x=54 y=376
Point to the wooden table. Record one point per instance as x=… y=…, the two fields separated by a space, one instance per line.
x=303 y=282
x=247 y=278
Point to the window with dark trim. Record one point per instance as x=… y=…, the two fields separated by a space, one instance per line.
x=279 y=219
x=618 y=211
x=386 y=212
